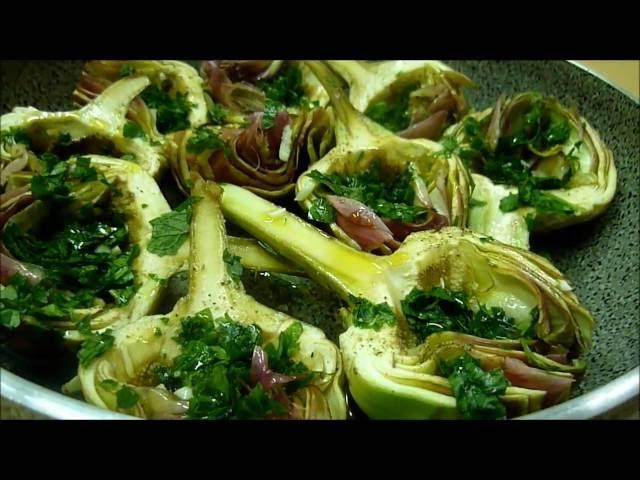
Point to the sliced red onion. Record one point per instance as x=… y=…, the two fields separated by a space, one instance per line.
x=9 y=267
x=362 y=224
x=443 y=102
x=493 y=132
x=430 y=128
x=238 y=96
x=403 y=230
x=261 y=373
x=521 y=375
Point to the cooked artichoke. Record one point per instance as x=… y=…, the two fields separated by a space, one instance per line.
x=134 y=195
x=94 y=128
x=174 y=101
x=213 y=294
x=248 y=86
x=486 y=217
x=266 y=161
x=391 y=359
x=415 y=186
x=266 y=128
x=543 y=163
x=412 y=98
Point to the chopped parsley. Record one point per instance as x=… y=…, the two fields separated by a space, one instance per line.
x=365 y=314
x=234 y=266
x=172 y=112
x=216 y=362
x=133 y=130
x=127 y=69
x=477 y=391
x=393 y=114
x=440 y=309
x=536 y=129
x=322 y=211
x=285 y=87
x=94 y=347
x=389 y=196
x=127 y=397
x=204 y=138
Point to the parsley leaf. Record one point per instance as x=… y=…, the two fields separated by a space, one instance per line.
x=440 y=309
x=133 y=130
x=271 y=109
x=109 y=385
x=257 y=404
x=529 y=195
x=172 y=113
x=84 y=326
x=217 y=114
x=477 y=392
x=88 y=256
x=285 y=87
x=390 y=196
x=392 y=114
x=280 y=355
x=204 y=138
x=322 y=211
x=161 y=281
x=127 y=69
x=51 y=185
x=536 y=128
x=169 y=231
x=9 y=318
x=365 y=314
x=450 y=146
x=216 y=363
x=474 y=202
x=530 y=220
x=510 y=203
x=15 y=135
x=83 y=170
x=530 y=331
x=64 y=139
x=94 y=347
x=234 y=267
x=127 y=397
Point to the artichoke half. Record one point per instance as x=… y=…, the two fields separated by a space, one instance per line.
x=538 y=166
x=96 y=128
x=412 y=98
x=375 y=187
x=266 y=161
x=133 y=195
x=267 y=127
x=173 y=101
x=216 y=294
x=393 y=369
x=243 y=87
